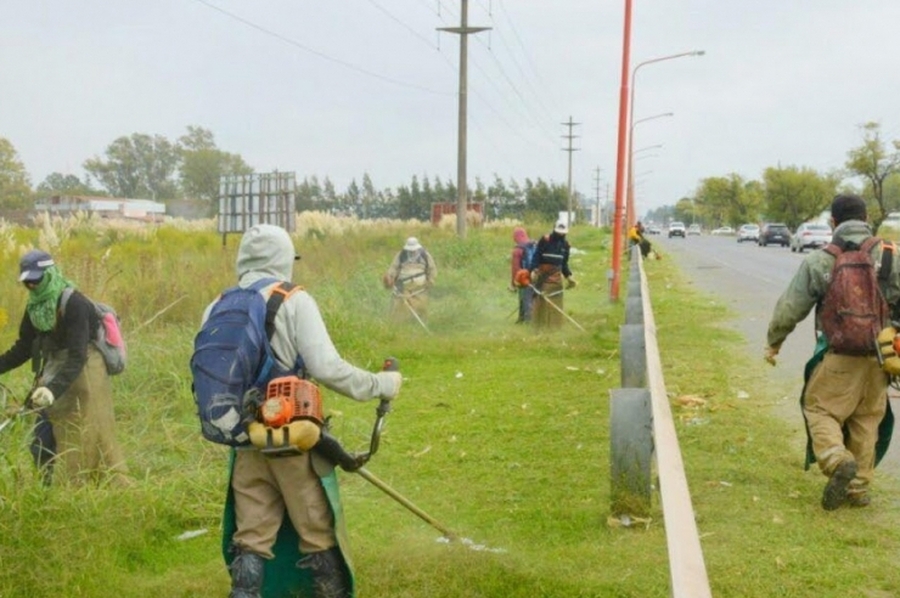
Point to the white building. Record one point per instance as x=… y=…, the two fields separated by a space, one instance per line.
x=105 y=207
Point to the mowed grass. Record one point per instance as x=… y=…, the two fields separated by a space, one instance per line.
x=501 y=434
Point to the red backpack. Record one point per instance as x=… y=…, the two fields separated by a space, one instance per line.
x=854 y=311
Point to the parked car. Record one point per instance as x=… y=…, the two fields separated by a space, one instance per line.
x=748 y=232
x=776 y=233
x=723 y=230
x=693 y=229
x=676 y=229
x=810 y=236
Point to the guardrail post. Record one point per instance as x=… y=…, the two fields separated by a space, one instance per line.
x=633 y=352
x=631 y=414
x=631 y=450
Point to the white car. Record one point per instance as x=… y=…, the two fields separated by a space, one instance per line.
x=748 y=232
x=810 y=235
x=723 y=230
x=693 y=229
x=676 y=229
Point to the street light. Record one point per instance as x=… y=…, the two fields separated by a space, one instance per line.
x=629 y=209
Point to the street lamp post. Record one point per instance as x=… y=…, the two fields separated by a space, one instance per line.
x=629 y=208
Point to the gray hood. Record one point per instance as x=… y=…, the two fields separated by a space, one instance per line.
x=855 y=231
x=266 y=251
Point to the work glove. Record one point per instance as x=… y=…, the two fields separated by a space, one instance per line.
x=534 y=276
x=41 y=397
x=395 y=381
x=770 y=354
x=388 y=281
x=570 y=283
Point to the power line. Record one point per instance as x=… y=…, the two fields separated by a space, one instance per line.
x=322 y=55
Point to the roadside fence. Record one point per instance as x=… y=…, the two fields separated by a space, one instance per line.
x=642 y=430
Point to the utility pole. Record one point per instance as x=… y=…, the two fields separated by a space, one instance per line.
x=570 y=149
x=598 y=218
x=462 y=188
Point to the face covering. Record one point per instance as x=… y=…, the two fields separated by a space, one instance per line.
x=43 y=299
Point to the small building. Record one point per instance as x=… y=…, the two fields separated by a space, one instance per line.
x=105 y=207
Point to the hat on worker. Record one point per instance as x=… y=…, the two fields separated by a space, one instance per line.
x=33 y=265
x=561 y=227
x=412 y=244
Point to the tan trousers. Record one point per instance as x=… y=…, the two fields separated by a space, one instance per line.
x=545 y=315
x=845 y=389
x=413 y=298
x=264 y=488
x=84 y=425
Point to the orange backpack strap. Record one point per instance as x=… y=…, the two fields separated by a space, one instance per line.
x=278 y=296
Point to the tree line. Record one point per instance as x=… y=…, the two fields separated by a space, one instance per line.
x=143 y=166
x=793 y=194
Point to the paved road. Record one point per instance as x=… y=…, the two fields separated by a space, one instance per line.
x=749 y=279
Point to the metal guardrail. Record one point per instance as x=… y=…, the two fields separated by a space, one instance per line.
x=641 y=428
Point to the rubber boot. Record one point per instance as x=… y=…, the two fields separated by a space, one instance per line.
x=246 y=575
x=329 y=574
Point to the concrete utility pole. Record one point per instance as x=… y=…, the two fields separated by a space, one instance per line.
x=462 y=188
x=570 y=149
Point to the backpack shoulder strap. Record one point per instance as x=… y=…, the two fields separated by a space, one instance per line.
x=279 y=294
x=833 y=249
x=64 y=299
x=887 y=260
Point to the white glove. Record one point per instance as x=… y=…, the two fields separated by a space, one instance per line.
x=395 y=380
x=41 y=397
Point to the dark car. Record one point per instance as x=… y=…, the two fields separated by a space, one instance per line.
x=775 y=233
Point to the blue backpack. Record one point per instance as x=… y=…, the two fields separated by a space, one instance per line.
x=529 y=251
x=233 y=362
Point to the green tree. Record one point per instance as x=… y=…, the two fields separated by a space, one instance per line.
x=65 y=184
x=202 y=165
x=140 y=166
x=795 y=195
x=546 y=199
x=308 y=194
x=685 y=210
x=369 y=196
x=721 y=200
x=15 y=184
x=875 y=163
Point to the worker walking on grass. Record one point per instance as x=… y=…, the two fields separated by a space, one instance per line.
x=853 y=283
x=521 y=262
x=74 y=437
x=283 y=528
x=410 y=276
x=552 y=266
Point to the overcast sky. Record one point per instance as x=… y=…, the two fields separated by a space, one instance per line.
x=343 y=88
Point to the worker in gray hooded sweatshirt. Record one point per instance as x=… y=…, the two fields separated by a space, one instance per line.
x=263 y=489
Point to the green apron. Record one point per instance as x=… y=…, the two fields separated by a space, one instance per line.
x=885 y=428
x=283 y=579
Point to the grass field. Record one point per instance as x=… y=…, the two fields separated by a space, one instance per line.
x=500 y=433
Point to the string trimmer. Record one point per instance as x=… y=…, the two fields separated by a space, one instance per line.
x=329 y=447
x=405 y=298
x=300 y=398
x=546 y=299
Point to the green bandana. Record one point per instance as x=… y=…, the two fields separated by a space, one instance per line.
x=43 y=299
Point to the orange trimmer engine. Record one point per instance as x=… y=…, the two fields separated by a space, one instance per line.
x=290 y=398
